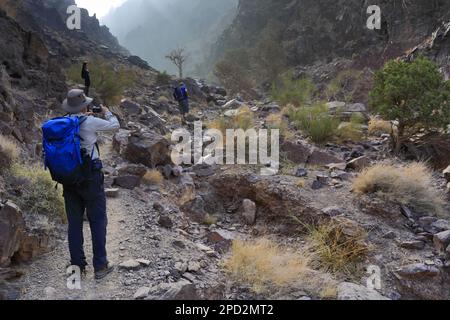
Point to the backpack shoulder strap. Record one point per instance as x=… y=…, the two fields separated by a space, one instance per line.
x=82 y=119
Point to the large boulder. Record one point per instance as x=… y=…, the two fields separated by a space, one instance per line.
x=153 y=121
x=120 y=141
x=296 y=152
x=131 y=108
x=321 y=158
x=354 y=292
x=148 y=148
x=11 y=232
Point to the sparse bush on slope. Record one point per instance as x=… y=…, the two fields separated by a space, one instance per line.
x=290 y=91
x=407 y=184
x=108 y=81
x=413 y=94
x=38 y=194
x=338 y=246
x=316 y=122
x=9 y=153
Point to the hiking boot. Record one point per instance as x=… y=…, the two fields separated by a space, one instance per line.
x=100 y=274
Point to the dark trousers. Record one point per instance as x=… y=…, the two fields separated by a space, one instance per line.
x=89 y=197
x=86 y=89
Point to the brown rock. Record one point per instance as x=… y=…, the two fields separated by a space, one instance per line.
x=442 y=240
x=130 y=107
x=127 y=182
x=359 y=164
x=120 y=141
x=11 y=231
x=221 y=239
x=323 y=158
x=148 y=148
x=248 y=211
x=418 y=271
x=413 y=245
x=165 y=222
x=133 y=169
x=296 y=152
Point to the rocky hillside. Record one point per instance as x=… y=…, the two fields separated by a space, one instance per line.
x=341 y=208
x=319 y=31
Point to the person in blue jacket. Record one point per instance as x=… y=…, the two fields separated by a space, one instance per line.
x=180 y=94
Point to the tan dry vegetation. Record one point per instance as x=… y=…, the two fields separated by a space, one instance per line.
x=264 y=265
x=163 y=100
x=338 y=246
x=153 y=177
x=38 y=194
x=379 y=126
x=408 y=184
x=9 y=152
x=276 y=121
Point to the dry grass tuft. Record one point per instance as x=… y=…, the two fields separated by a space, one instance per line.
x=263 y=264
x=276 y=121
x=379 y=126
x=338 y=245
x=163 y=100
x=38 y=193
x=244 y=119
x=9 y=152
x=407 y=184
x=301 y=183
x=153 y=177
x=210 y=220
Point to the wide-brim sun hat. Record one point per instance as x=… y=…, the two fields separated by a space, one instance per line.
x=76 y=101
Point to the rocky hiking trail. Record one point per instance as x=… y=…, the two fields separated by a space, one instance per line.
x=144 y=252
x=170 y=240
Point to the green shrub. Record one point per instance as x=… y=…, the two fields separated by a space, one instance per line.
x=296 y=92
x=163 y=78
x=316 y=122
x=344 y=86
x=351 y=130
x=38 y=192
x=414 y=94
x=108 y=80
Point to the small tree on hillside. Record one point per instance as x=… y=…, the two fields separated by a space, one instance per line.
x=413 y=94
x=178 y=57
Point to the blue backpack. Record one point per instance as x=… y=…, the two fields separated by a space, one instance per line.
x=181 y=93
x=62 y=149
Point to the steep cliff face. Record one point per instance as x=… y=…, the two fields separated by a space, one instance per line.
x=47 y=18
x=320 y=30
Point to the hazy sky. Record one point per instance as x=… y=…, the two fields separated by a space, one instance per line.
x=100 y=7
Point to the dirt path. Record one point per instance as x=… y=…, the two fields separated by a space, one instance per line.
x=46 y=277
x=133 y=234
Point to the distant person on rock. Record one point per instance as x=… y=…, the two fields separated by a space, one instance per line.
x=81 y=174
x=181 y=95
x=87 y=78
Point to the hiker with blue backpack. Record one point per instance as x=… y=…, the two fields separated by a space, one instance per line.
x=73 y=159
x=180 y=94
